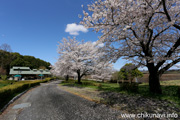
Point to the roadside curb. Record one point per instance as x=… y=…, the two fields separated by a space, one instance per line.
x=15 y=98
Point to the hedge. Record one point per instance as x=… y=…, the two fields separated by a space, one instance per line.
x=10 y=91
x=178 y=92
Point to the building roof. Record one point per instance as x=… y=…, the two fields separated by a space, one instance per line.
x=24 y=68
x=27 y=71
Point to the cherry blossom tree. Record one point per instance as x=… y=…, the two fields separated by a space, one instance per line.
x=103 y=70
x=81 y=58
x=142 y=31
x=62 y=69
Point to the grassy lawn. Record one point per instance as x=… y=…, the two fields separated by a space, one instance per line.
x=169 y=89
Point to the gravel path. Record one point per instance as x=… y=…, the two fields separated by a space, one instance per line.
x=50 y=102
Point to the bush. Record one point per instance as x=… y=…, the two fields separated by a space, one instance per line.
x=69 y=81
x=50 y=78
x=178 y=92
x=100 y=86
x=113 y=81
x=34 y=84
x=3 y=77
x=131 y=87
x=8 y=92
x=60 y=78
x=90 y=83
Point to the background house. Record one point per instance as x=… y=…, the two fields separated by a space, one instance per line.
x=27 y=73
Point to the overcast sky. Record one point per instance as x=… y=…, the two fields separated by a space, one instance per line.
x=34 y=27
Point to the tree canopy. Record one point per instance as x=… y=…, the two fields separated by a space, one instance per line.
x=29 y=61
x=142 y=31
x=79 y=59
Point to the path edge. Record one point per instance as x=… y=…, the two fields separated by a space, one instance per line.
x=15 y=98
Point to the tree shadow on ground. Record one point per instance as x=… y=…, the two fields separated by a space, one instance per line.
x=138 y=104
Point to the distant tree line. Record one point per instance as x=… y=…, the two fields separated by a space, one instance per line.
x=9 y=59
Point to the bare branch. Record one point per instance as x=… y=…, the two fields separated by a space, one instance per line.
x=165 y=10
x=169 y=53
x=161 y=71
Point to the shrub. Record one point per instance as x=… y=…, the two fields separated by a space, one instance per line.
x=34 y=84
x=8 y=92
x=90 y=83
x=60 y=78
x=113 y=81
x=100 y=86
x=50 y=78
x=131 y=87
x=69 y=81
x=178 y=92
x=3 y=77
x=97 y=84
x=87 y=83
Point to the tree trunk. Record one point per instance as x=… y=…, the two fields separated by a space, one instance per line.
x=79 y=77
x=67 y=77
x=154 y=83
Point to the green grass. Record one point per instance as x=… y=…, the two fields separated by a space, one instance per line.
x=169 y=89
x=171 y=82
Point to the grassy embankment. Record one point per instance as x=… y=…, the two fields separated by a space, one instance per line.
x=169 y=89
x=9 y=89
